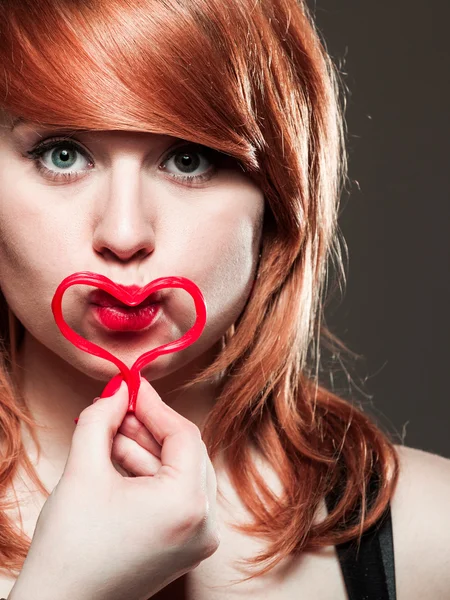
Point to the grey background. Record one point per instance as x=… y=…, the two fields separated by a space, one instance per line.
x=395 y=217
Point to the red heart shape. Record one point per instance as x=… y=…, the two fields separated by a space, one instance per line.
x=131 y=376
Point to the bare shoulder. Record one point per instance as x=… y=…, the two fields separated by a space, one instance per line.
x=421 y=525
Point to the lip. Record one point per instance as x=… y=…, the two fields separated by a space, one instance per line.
x=120 y=318
x=99 y=297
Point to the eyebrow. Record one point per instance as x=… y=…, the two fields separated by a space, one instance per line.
x=18 y=121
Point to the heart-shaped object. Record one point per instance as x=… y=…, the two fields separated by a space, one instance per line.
x=132 y=376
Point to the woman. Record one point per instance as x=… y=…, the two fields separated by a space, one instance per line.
x=205 y=140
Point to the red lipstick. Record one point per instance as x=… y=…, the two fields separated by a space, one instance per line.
x=117 y=316
x=126 y=319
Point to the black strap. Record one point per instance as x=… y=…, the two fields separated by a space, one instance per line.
x=369 y=572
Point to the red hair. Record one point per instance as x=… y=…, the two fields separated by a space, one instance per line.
x=251 y=79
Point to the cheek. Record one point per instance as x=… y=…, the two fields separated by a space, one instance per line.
x=14 y=232
x=20 y=252
x=32 y=257
x=226 y=256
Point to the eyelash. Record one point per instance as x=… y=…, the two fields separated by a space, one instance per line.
x=36 y=153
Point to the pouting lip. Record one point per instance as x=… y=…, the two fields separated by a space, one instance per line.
x=102 y=298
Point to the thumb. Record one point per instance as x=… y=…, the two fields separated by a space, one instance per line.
x=182 y=449
x=93 y=437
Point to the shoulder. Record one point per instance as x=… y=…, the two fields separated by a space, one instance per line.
x=421 y=525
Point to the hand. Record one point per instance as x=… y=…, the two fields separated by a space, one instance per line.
x=104 y=536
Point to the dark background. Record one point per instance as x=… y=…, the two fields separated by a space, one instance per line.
x=395 y=216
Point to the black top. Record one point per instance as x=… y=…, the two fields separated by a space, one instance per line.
x=369 y=572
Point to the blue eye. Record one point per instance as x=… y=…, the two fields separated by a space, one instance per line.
x=57 y=159
x=63 y=155
x=186 y=159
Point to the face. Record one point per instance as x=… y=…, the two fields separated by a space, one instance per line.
x=118 y=203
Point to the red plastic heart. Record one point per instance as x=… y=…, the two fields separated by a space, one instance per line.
x=132 y=376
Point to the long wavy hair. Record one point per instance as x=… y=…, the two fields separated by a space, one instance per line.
x=251 y=79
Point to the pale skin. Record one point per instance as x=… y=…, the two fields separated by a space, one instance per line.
x=129 y=220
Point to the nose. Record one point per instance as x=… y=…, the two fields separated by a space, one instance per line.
x=124 y=227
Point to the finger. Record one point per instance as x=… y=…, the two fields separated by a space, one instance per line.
x=90 y=451
x=132 y=428
x=133 y=458
x=121 y=471
x=180 y=439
